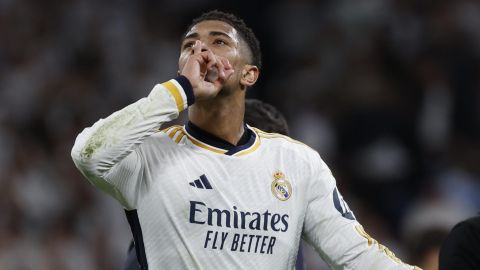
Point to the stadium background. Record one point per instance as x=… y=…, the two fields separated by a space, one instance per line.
x=387 y=90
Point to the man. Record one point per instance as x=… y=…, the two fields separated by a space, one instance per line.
x=461 y=248
x=215 y=193
x=265 y=117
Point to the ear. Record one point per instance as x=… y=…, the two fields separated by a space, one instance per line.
x=249 y=75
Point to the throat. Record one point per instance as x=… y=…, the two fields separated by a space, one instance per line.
x=221 y=120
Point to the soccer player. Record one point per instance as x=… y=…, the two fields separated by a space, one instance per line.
x=216 y=193
x=260 y=115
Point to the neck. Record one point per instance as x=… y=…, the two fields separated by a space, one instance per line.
x=221 y=116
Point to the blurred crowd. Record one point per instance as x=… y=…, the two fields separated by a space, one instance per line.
x=388 y=91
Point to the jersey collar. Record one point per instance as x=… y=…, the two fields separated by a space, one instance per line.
x=248 y=143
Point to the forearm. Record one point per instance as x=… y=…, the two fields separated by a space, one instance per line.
x=98 y=148
x=331 y=227
x=376 y=256
x=344 y=244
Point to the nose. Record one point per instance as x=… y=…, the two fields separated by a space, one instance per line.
x=203 y=46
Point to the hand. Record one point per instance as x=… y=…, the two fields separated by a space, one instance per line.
x=206 y=71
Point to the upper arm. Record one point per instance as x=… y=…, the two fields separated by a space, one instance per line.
x=329 y=224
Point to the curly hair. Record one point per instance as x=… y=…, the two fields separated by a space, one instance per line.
x=246 y=32
x=265 y=117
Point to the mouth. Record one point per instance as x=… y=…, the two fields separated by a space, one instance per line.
x=212 y=75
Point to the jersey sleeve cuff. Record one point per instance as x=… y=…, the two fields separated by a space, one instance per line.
x=187 y=88
x=181 y=90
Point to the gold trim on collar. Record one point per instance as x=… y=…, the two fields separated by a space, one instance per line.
x=203 y=145
x=252 y=148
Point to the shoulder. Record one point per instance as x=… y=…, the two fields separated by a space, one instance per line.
x=168 y=137
x=467 y=228
x=283 y=141
x=470 y=224
x=174 y=133
x=285 y=144
x=463 y=239
x=297 y=156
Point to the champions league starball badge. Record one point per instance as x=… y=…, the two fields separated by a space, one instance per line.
x=281 y=188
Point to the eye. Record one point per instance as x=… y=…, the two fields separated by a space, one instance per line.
x=219 y=42
x=188 y=45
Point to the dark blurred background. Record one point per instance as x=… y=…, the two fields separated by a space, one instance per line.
x=388 y=91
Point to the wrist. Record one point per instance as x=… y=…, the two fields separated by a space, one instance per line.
x=187 y=88
x=181 y=91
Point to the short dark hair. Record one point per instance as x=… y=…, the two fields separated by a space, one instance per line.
x=265 y=117
x=245 y=32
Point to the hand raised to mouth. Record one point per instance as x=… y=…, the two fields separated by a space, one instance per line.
x=206 y=71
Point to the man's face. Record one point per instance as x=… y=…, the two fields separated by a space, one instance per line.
x=222 y=39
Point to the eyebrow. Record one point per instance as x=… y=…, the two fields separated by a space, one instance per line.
x=212 y=33
x=215 y=33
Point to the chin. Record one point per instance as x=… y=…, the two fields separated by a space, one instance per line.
x=226 y=91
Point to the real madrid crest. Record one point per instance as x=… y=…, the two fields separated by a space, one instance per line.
x=281 y=188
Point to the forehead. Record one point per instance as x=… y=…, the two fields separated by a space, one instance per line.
x=206 y=27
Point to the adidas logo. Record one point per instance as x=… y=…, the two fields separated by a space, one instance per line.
x=201 y=183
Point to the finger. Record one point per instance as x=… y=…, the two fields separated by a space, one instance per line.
x=220 y=67
x=226 y=63
x=209 y=58
x=228 y=70
x=228 y=73
x=197 y=47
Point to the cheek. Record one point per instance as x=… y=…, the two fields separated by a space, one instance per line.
x=234 y=59
x=182 y=60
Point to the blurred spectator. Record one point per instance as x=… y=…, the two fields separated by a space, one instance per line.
x=460 y=248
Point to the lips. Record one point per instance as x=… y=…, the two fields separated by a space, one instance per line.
x=212 y=74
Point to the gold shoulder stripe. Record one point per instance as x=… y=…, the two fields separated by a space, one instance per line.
x=174 y=132
x=179 y=137
x=271 y=135
x=166 y=130
x=175 y=93
x=267 y=135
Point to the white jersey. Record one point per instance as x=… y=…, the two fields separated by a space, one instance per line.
x=196 y=202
